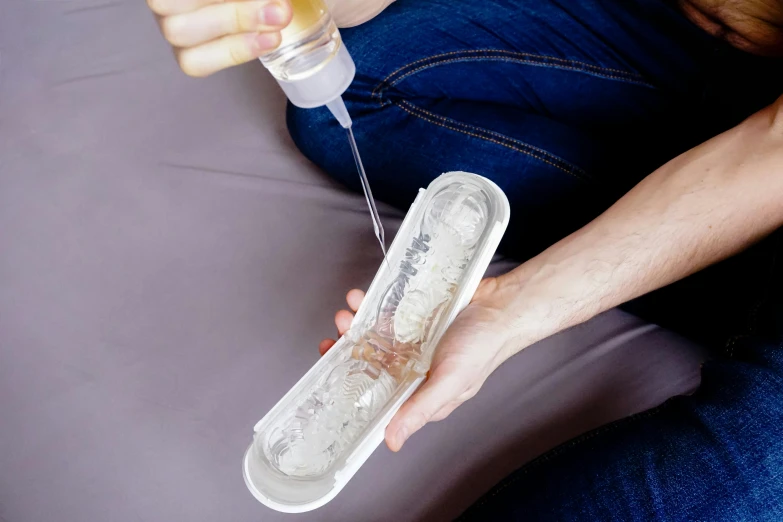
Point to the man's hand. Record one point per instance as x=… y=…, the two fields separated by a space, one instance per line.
x=475 y=344
x=471 y=349
x=703 y=206
x=210 y=35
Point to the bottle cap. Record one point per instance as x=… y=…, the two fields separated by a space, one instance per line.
x=325 y=85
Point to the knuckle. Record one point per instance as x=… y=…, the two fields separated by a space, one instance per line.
x=236 y=18
x=277 y=39
x=467 y=395
x=236 y=55
x=419 y=418
x=447 y=410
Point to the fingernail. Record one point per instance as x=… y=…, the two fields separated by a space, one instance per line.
x=266 y=41
x=273 y=14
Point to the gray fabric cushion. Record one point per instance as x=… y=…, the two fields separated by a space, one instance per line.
x=168 y=264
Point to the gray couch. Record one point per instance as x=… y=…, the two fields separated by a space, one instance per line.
x=168 y=264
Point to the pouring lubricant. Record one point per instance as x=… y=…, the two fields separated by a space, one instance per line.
x=314 y=69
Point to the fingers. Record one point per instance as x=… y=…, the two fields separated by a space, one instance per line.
x=217 y=20
x=354 y=299
x=210 y=35
x=434 y=396
x=236 y=49
x=342 y=320
x=324 y=346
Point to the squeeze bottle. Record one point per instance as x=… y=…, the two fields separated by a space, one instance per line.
x=311 y=64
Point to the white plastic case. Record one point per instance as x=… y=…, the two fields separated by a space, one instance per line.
x=317 y=436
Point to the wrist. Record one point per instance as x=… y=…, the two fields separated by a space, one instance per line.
x=548 y=294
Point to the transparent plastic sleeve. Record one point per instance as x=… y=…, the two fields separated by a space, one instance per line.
x=311 y=443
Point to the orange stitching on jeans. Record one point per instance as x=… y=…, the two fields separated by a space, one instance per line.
x=487 y=131
x=629 y=75
x=514 y=53
x=507 y=145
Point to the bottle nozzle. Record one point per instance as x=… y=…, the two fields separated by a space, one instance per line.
x=338 y=110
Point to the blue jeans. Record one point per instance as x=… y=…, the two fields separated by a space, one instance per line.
x=566 y=105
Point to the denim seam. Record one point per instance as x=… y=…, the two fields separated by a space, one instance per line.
x=516 y=60
x=517 y=53
x=577 y=170
x=514 y=144
x=556 y=452
x=514 y=57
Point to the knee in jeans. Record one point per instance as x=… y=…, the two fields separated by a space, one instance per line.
x=322 y=140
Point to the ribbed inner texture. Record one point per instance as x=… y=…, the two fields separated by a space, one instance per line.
x=332 y=415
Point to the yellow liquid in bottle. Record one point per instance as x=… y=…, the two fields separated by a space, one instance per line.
x=309 y=42
x=307 y=13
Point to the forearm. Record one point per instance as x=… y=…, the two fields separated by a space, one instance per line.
x=350 y=13
x=696 y=210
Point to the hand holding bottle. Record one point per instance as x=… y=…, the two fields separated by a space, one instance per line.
x=211 y=35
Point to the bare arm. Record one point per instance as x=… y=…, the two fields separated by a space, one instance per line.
x=698 y=209
x=350 y=13
x=702 y=207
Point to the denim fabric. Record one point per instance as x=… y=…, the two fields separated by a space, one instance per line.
x=714 y=456
x=566 y=105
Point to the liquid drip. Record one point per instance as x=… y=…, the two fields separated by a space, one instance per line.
x=376 y=218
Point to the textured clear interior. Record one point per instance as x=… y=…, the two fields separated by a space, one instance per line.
x=385 y=350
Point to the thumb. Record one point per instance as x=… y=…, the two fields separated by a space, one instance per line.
x=417 y=411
